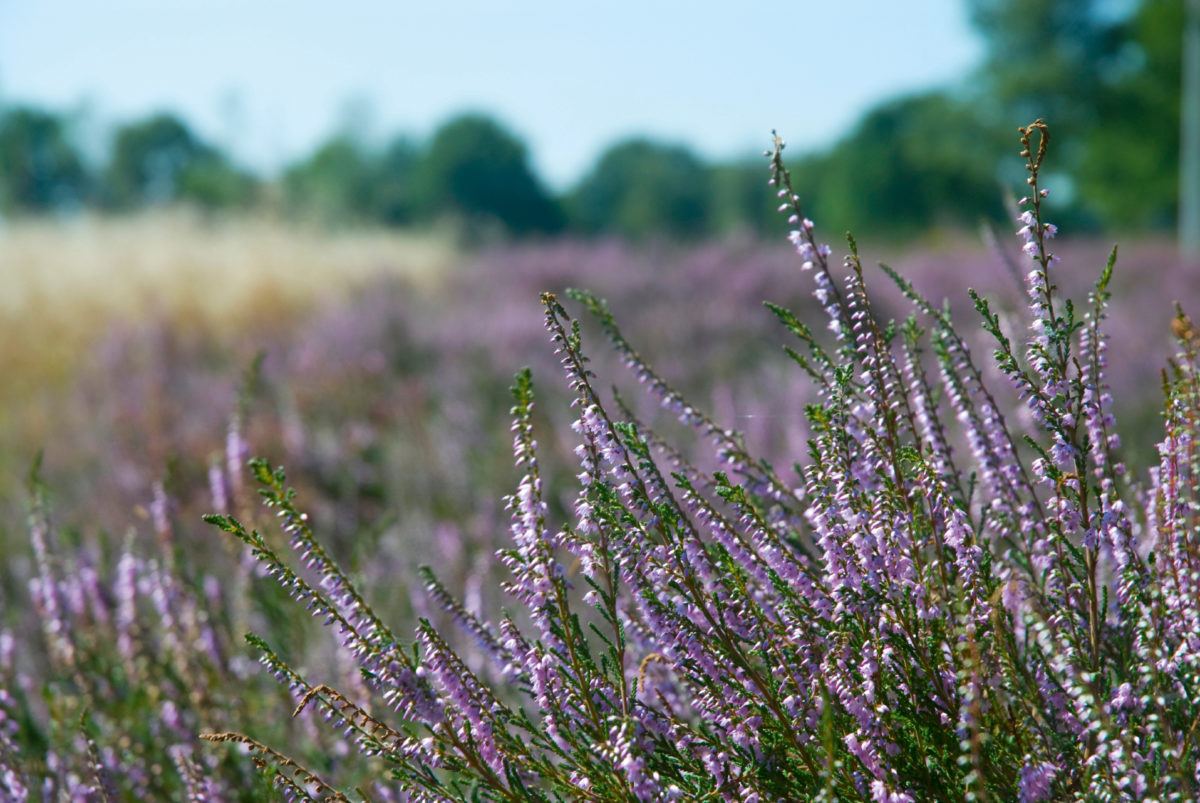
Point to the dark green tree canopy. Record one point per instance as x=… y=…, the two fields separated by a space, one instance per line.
x=913 y=161
x=40 y=170
x=476 y=170
x=1128 y=170
x=1049 y=58
x=160 y=160
x=740 y=201
x=1106 y=76
x=392 y=190
x=640 y=187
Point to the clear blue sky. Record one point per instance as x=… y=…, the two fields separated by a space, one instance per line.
x=268 y=79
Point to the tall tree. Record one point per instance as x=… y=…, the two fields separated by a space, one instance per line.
x=40 y=169
x=159 y=160
x=1049 y=57
x=1106 y=76
x=1128 y=173
x=476 y=170
x=392 y=186
x=909 y=162
x=639 y=187
x=739 y=200
x=334 y=184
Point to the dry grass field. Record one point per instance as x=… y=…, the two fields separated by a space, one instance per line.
x=64 y=284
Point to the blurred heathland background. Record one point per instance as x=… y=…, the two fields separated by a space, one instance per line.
x=319 y=235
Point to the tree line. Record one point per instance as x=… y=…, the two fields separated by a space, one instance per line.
x=1109 y=83
x=472 y=170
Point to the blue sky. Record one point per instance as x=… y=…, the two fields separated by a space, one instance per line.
x=268 y=79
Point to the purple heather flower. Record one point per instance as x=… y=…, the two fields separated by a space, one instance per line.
x=12 y=785
x=236 y=452
x=1037 y=781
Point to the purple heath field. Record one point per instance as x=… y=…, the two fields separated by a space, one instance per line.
x=372 y=517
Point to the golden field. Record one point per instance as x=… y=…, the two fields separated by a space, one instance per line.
x=63 y=283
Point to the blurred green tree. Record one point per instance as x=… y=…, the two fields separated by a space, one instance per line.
x=476 y=170
x=1128 y=172
x=392 y=201
x=40 y=169
x=1107 y=77
x=333 y=185
x=159 y=160
x=214 y=183
x=1050 y=58
x=639 y=187
x=908 y=163
x=740 y=202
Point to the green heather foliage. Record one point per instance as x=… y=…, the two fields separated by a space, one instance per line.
x=958 y=592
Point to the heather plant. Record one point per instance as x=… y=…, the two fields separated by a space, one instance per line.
x=956 y=599
x=136 y=658
x=957 y=591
